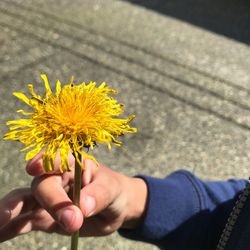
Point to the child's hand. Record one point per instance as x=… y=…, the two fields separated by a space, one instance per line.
x=108 y=200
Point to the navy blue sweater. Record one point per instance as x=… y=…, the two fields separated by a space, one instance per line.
x=186 y=213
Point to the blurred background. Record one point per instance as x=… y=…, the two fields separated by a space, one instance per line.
x=183 y=68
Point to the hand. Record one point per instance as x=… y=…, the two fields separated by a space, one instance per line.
x=108 y=200
x=20 y=213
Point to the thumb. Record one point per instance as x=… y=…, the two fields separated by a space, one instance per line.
x=89 y=205
x=94 y=200
x=101 y=192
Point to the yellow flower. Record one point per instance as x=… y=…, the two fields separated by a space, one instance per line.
x=73 y=117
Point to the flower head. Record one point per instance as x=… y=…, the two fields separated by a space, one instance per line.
x=73 y=117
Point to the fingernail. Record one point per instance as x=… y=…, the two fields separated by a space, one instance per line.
x=89 y=205
x=67 y=218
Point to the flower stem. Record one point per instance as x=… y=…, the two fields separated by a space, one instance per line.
x=76 y=196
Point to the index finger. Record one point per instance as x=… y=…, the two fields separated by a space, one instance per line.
x=51 y=195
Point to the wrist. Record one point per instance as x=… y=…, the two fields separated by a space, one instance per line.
x=137 y=193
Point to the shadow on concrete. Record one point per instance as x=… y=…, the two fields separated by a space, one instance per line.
x=230 y=18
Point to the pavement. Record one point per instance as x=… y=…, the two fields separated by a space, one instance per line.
x=188 y=86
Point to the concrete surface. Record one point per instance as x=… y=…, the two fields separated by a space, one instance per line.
x=189 y=89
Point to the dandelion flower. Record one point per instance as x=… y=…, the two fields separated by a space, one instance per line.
x=74 y=117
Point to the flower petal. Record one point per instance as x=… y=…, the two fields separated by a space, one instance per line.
x=22 y=97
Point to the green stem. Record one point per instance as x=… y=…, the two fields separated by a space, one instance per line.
x=76 y=197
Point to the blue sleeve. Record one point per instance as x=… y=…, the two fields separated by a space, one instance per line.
x=184 y=212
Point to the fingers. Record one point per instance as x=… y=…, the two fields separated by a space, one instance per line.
x=35 y=166
x=50 y=190
x=90 y=170
x=50 y=193
x=38 y=219
x=41 y=220
x=15 y=227
x=13 y=204
x=14 y=208
x=101 y=188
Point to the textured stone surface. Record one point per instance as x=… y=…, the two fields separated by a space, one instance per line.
x=188 y=87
